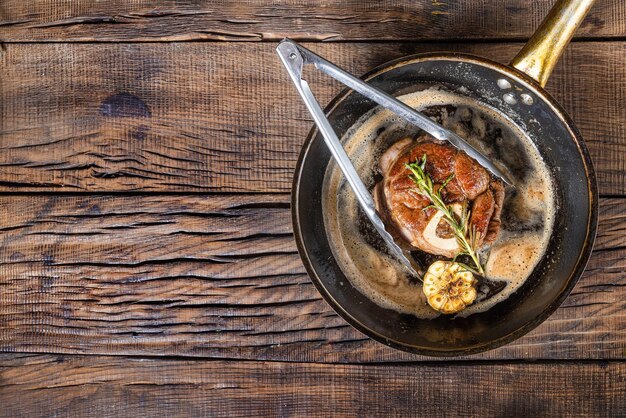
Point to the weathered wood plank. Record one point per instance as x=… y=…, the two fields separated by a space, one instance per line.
x=224 y=117
x=143 y=20
x=110 y=387
x=220 y=276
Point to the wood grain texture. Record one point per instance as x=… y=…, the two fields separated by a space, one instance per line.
x=224 y=117
x=111 y=387
x=219 y=276
x=151 y=285
x=170 y=20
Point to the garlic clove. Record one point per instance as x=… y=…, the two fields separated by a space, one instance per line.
x=448 y=287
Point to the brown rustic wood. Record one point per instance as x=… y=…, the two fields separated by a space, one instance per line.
x=145 y=20
x=220 y=276
x=224 y=117
x=110 y=387
x=95 y=97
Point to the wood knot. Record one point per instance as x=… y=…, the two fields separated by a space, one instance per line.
x=125 y=105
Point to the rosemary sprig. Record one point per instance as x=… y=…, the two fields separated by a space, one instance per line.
x=465 y=236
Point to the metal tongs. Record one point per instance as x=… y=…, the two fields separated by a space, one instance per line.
x=294 y=57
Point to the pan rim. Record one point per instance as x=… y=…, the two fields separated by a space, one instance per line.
x=583 y=257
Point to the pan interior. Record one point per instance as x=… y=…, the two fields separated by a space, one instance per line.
x=527 y=215
x=555 y=273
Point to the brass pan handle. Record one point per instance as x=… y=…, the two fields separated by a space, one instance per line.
x=539 y=56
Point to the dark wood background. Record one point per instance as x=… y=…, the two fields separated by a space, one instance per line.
x=147 y=263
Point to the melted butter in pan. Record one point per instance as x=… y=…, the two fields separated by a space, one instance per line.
x=527 y=217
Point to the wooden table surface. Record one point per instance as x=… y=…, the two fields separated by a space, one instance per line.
x=148 y=265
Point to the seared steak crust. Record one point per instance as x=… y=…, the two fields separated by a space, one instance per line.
x=471 y=184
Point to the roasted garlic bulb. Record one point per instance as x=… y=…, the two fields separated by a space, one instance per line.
x=449 y=287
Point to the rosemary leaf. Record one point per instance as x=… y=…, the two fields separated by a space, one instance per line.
x=466 y=237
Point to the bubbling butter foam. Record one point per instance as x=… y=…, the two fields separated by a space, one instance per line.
x=527 y=216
